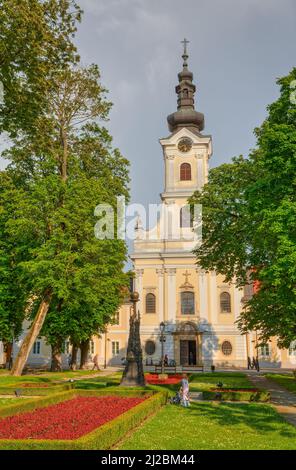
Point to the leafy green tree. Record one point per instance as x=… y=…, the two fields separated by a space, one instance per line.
x=13 y=292
x=36 y=39
x=249 y=209
x=66 y=170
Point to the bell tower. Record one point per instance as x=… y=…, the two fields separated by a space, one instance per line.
x=186 y=151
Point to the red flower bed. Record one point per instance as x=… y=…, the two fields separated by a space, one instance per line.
x=66 y=420
x=153 y=379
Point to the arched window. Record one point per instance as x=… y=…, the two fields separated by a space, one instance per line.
x=185 y=93
x=187 y=303
x=226 y=348
x=185 y=172
x=186 y=216
x=150 y=347
x=150 y=303
x=225 y=303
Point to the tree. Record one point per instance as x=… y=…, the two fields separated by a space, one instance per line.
x=249 y=209
x=13 y=292
x=36 y=39
x=66 y=170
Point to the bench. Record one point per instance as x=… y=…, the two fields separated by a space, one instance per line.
x=192 y=369
x=165 y=369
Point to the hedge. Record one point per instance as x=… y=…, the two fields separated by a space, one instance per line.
x=36 y=391
x=102 y=438
x=261 y=395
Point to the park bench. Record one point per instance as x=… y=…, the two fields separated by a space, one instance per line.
x=165 y=369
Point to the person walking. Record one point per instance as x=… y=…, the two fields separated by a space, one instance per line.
x=96 y=362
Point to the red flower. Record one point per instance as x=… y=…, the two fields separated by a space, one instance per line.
x=66 y=420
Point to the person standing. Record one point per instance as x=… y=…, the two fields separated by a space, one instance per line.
x=184 y=391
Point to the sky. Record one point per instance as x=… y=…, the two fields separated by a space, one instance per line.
x=237 y=50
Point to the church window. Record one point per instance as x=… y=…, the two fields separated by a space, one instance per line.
x=225 y=303
x=150 y=347
x=226 y=348
x=91 y=347
x=264 y=350
x=116 y=318
x=292 y=349
x=185 y=172
x=115 y=348
x=185 y=93
x=186 y=216
x=187 y=303
x=150 y=303
x=36 y=347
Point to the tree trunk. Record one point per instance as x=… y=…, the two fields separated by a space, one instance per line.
x=7 y=348
x=56 y=358
x=84 y=348
x=32 y=335
x=73 y=362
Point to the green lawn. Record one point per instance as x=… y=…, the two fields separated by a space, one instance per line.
x=11 y=401
x=202 y=382
x=287 y=381
x=206 y=426
x=42 y=377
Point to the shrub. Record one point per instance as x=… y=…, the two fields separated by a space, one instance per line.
x=260 y=395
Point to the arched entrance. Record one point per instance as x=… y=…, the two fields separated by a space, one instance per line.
x=187 y=344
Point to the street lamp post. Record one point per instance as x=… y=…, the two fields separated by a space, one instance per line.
x=133 y=374
x=162 y=339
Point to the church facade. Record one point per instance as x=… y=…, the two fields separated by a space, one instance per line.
x=199 y=309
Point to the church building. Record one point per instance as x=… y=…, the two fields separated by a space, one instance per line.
x=199 y=309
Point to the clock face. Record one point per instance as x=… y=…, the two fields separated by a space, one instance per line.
x=185 y=144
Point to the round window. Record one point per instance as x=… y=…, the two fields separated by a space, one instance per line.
x=150 y=347
x=226 y=348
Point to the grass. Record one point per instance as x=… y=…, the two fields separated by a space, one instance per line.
x=203 y=382
x=11 y=401
x=42 y=377
x=204 y=425
x=208 y=426
x=287 y=381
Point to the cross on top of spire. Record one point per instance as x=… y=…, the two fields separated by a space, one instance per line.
x=185 y=42
x=185 y=54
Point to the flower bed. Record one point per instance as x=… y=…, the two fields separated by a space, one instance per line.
x=95 y=423
x=153 y=379
x=66 y=420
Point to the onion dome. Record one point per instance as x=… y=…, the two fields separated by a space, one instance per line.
x=185 y=116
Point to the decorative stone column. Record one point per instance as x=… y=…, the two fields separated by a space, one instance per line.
x=169 y=172
x=213 y=297
x=203 y=294
x=160 y=274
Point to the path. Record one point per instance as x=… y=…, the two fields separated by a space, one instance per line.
x=282 y=400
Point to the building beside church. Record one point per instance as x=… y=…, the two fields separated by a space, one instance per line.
x=199 y=309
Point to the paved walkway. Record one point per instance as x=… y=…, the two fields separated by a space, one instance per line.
x=282 y=400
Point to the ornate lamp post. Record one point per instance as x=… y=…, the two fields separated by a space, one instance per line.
x=162 y=339
x=133 y=375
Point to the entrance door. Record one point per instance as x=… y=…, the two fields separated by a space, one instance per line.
x=187 y=352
